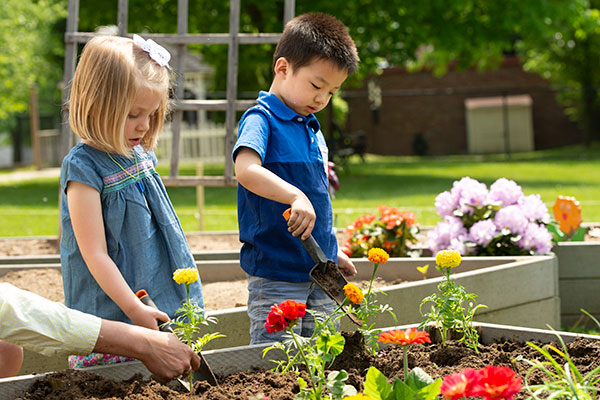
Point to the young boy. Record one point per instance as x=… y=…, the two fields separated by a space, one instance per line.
x=281 y=162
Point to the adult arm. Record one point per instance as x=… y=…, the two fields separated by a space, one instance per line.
x=162 y=353
x=253 y=176
x=85 y=210
x=50 y=328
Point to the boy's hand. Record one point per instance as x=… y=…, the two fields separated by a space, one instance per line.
x=346 y=265
x=302 y=219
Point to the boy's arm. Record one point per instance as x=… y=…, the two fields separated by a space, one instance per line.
x=85 y=210
x=253 y=176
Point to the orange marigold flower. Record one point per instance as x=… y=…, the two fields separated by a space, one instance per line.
x=409 y=336
x=567 y=212
x=353 y=293
x=378 y=256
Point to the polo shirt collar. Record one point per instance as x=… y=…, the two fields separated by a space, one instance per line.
x=281 y=111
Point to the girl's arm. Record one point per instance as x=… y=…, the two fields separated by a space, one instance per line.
x=251 y=174
x=85 y=210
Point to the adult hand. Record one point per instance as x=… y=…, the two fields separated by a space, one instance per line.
x=167 y=357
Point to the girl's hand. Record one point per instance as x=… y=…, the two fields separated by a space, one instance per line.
x=346 y=265
x=147 y=316
x=302 y=218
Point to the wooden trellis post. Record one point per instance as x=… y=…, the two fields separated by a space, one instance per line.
x=230 y=104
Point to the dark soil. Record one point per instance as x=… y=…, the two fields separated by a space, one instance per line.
x=434 y=359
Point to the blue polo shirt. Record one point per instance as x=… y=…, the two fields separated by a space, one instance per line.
x=292 y=147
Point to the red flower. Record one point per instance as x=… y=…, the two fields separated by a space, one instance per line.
x=497 y=383
x=409 y=336
x=459 y=385
x=275 y=320
x=284 y=314
x=292 y=310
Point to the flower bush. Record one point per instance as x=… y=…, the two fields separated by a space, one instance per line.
x=495 y=222
x=393 y=230
x=489 y=382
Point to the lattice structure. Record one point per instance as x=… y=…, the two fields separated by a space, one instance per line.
x=182 y=38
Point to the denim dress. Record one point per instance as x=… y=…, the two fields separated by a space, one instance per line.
x=143 y=234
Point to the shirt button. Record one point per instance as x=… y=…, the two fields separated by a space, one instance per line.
x=300 y=119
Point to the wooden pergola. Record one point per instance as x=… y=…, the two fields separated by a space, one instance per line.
x=231 y=104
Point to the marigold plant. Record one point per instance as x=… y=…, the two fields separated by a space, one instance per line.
x=453 y=308
x=190 y=317
x=394 y=230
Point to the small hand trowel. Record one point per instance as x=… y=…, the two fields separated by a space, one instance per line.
x=326 y=274
x=204 y=372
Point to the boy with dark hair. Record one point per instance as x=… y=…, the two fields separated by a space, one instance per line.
x=281 y=162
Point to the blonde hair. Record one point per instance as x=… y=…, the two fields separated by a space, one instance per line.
x=110 y=74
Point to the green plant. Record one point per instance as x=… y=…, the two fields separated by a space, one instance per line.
x=369 y=307
x=190 y=317
x=563 y=381
x=315 y=353
x=453 y=308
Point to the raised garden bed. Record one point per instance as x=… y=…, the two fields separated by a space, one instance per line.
x=500 y=345
x=519 y=291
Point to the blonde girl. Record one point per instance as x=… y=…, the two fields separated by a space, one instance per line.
x=120 y=233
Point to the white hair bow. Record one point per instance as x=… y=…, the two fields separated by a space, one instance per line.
x=155 y=50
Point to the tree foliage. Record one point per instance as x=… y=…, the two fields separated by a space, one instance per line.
x=558 y=39
x=30 y=51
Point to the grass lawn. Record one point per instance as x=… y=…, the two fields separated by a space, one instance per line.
x=30 y=208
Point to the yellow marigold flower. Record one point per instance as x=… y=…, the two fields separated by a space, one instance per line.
x=448 y=258
x=185 y=275
x=358 y=396
x=353 y=293
x=378 y=256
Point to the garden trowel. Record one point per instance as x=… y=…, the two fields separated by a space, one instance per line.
x=204 y=372
x=326 y=274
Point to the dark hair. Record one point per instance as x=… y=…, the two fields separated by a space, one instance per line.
x=317 y=35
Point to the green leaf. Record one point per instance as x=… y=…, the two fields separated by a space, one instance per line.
x=418 y=379
x=336 y=384
x=431 y=391
x=579 y=235
x=330 y=344
x=401 y=391
x=376 y=385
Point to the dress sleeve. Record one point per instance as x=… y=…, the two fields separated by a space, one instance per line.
x=253 y=133
x=79 y=167
x=44 y=326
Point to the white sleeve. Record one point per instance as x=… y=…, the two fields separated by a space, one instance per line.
x=44 y=326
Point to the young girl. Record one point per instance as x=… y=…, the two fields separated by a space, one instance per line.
x=120 y=233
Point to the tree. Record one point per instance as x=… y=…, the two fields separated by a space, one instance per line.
x=30 y=49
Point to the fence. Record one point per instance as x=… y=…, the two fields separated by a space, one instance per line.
x=205 y=143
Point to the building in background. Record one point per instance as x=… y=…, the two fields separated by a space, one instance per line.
x=461 y=112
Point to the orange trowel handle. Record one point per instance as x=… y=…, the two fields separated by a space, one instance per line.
x=145 y=298
x=311 y=246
